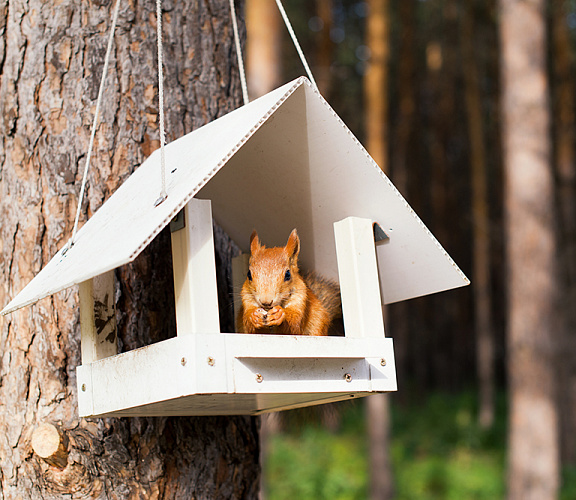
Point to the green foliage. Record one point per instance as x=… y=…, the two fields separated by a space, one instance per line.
x=568 y=483
x=438 y=452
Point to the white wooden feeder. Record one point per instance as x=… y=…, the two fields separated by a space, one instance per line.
x=283 y=161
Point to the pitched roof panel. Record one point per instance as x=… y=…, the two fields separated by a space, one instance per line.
x=289 y=161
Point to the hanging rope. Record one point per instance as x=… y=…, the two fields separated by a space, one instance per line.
x=95 y=122
x=296 y=44
x=239 y=53
x=163 y=194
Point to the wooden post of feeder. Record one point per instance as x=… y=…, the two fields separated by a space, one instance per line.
x=194 y=266
x=358 y=273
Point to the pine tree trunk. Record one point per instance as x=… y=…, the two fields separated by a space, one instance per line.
x=403 y=145
x=564 y=127
x=325 y=49
x=376 y=110
x=51 y=58
x=532 y=333
x=480 y=221
x=263 y=47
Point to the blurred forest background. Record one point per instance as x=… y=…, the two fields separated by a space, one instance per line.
x=468 y=106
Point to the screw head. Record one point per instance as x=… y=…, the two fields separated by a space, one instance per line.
x=210 y=361
x=83 y=387
x=348 y=377
x=259 y=378
x=183 y=361
x=383 y=362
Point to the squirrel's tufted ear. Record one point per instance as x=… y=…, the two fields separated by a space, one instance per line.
x=254 y=242
x=293 y=245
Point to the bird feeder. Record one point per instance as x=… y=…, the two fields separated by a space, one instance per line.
x=283 y=161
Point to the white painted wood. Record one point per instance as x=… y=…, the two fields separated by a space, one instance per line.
x=358 y=271
x=285 y=160
x=240 y=266
x=194 y=267
x=98 y=318
x=217 y=374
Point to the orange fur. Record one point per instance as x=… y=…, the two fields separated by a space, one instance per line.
x=275 y=298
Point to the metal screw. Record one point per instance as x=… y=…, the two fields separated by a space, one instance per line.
x=259 y=378
x=383 y=362
x=211 y=361
x=348 y=377
x=83 y=387
x=183 y=361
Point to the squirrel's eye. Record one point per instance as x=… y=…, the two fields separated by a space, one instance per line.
x=287 y=275
x=249 y=276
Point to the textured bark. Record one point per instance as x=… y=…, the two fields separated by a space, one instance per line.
x=532 y=332
x=51 y=58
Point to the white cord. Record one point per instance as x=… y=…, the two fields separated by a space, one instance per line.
x=239 y=53
x=95 y=122
x=296 y=44
x=163 y=194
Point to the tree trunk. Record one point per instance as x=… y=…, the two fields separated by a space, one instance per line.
x=564 y=135
x=52 y=57
x=403 y=147
x=480 y=222
x=376 y=81
x=263 y=47
x=532 y=333
x=325 y=49
x=376 y=110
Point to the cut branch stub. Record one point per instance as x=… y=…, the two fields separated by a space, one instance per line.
x=51 y=445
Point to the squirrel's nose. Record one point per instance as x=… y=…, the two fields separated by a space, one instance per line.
x=267 y=305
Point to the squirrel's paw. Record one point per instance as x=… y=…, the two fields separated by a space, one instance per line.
x=275 y=316
x=259 y=318
x=262 y=318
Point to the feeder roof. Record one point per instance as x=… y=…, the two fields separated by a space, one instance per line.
x=284 y=161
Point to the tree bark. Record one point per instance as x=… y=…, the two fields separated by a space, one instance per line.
x=532 y=331
x=51 y=58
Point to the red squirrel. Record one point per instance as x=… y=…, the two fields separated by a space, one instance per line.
x=277 y=299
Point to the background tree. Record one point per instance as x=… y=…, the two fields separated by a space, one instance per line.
x=533 y=465
x=564 y=136
x=481 y=280
x=376 y=105
x=263 y=47
x=52 y=57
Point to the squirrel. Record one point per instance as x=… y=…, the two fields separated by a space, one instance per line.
x=277 y=299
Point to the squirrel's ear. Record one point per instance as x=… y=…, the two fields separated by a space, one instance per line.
x=254 y=242
x=293 y=245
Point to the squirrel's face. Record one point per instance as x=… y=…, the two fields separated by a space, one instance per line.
x=273 y=272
